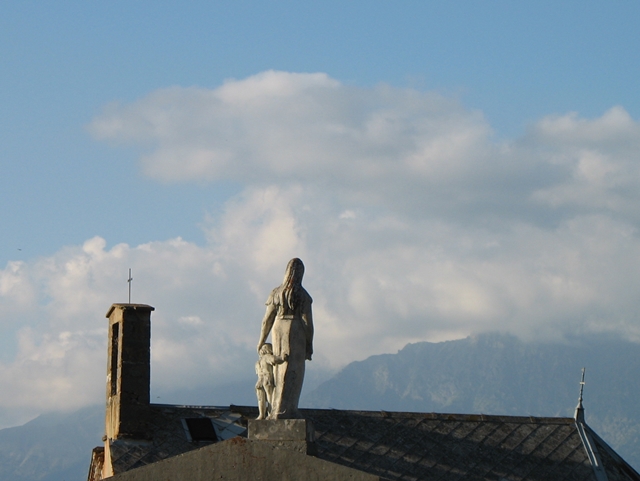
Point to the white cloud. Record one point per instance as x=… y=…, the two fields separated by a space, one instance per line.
x=414 y=152
x=278 y=126
x=413 y=224
x=407 y=189
x=600 y=157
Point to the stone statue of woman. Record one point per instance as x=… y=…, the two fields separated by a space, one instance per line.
x=288 y=319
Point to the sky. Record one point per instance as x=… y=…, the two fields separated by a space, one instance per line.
x=442 y=168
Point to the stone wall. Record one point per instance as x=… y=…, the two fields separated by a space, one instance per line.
x=241 y=459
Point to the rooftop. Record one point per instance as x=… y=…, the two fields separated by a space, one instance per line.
x=407 y=446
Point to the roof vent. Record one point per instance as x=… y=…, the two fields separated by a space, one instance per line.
x=199 y=429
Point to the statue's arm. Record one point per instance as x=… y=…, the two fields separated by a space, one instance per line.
x=267 y=324
x=273 y=360
x=307 y=318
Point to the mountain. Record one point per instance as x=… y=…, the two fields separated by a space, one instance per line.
x=52 y=447
x=499 y=374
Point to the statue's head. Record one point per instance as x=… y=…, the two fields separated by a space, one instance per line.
x=294 y=272
x=266 y=348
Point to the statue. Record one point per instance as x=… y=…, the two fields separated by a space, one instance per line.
x=288 y=318
x=266 y=383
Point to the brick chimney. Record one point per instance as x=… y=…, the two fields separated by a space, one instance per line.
x=128 y=371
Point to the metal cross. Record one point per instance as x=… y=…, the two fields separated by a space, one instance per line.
x=129 y=281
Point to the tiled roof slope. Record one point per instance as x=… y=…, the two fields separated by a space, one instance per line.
x=447 y=447
x=168 y=437
x=616 y=468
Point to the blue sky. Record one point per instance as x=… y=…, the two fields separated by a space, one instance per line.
x=493 y=143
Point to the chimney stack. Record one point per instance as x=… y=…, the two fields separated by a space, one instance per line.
x=128 y=371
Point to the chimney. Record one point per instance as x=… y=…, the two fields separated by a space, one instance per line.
x=128 y=371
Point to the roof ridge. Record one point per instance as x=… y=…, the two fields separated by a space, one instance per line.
x=452 y=416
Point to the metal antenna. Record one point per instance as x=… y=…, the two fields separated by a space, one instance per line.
x=581 y=388
x=131 y=278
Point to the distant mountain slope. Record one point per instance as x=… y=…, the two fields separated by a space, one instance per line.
x=499 y=374
x=52 y=447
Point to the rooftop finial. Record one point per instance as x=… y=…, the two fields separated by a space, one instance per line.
x=579 y=415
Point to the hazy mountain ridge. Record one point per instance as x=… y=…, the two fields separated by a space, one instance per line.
x=52 y=447
x=499 y=374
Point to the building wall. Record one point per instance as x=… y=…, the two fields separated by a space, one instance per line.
x=240 y=459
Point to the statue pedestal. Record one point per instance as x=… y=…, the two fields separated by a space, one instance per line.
x=294 y=434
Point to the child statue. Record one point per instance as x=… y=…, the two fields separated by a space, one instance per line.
x=266 y=383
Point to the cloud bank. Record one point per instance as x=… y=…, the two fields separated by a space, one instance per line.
x=413 y=222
